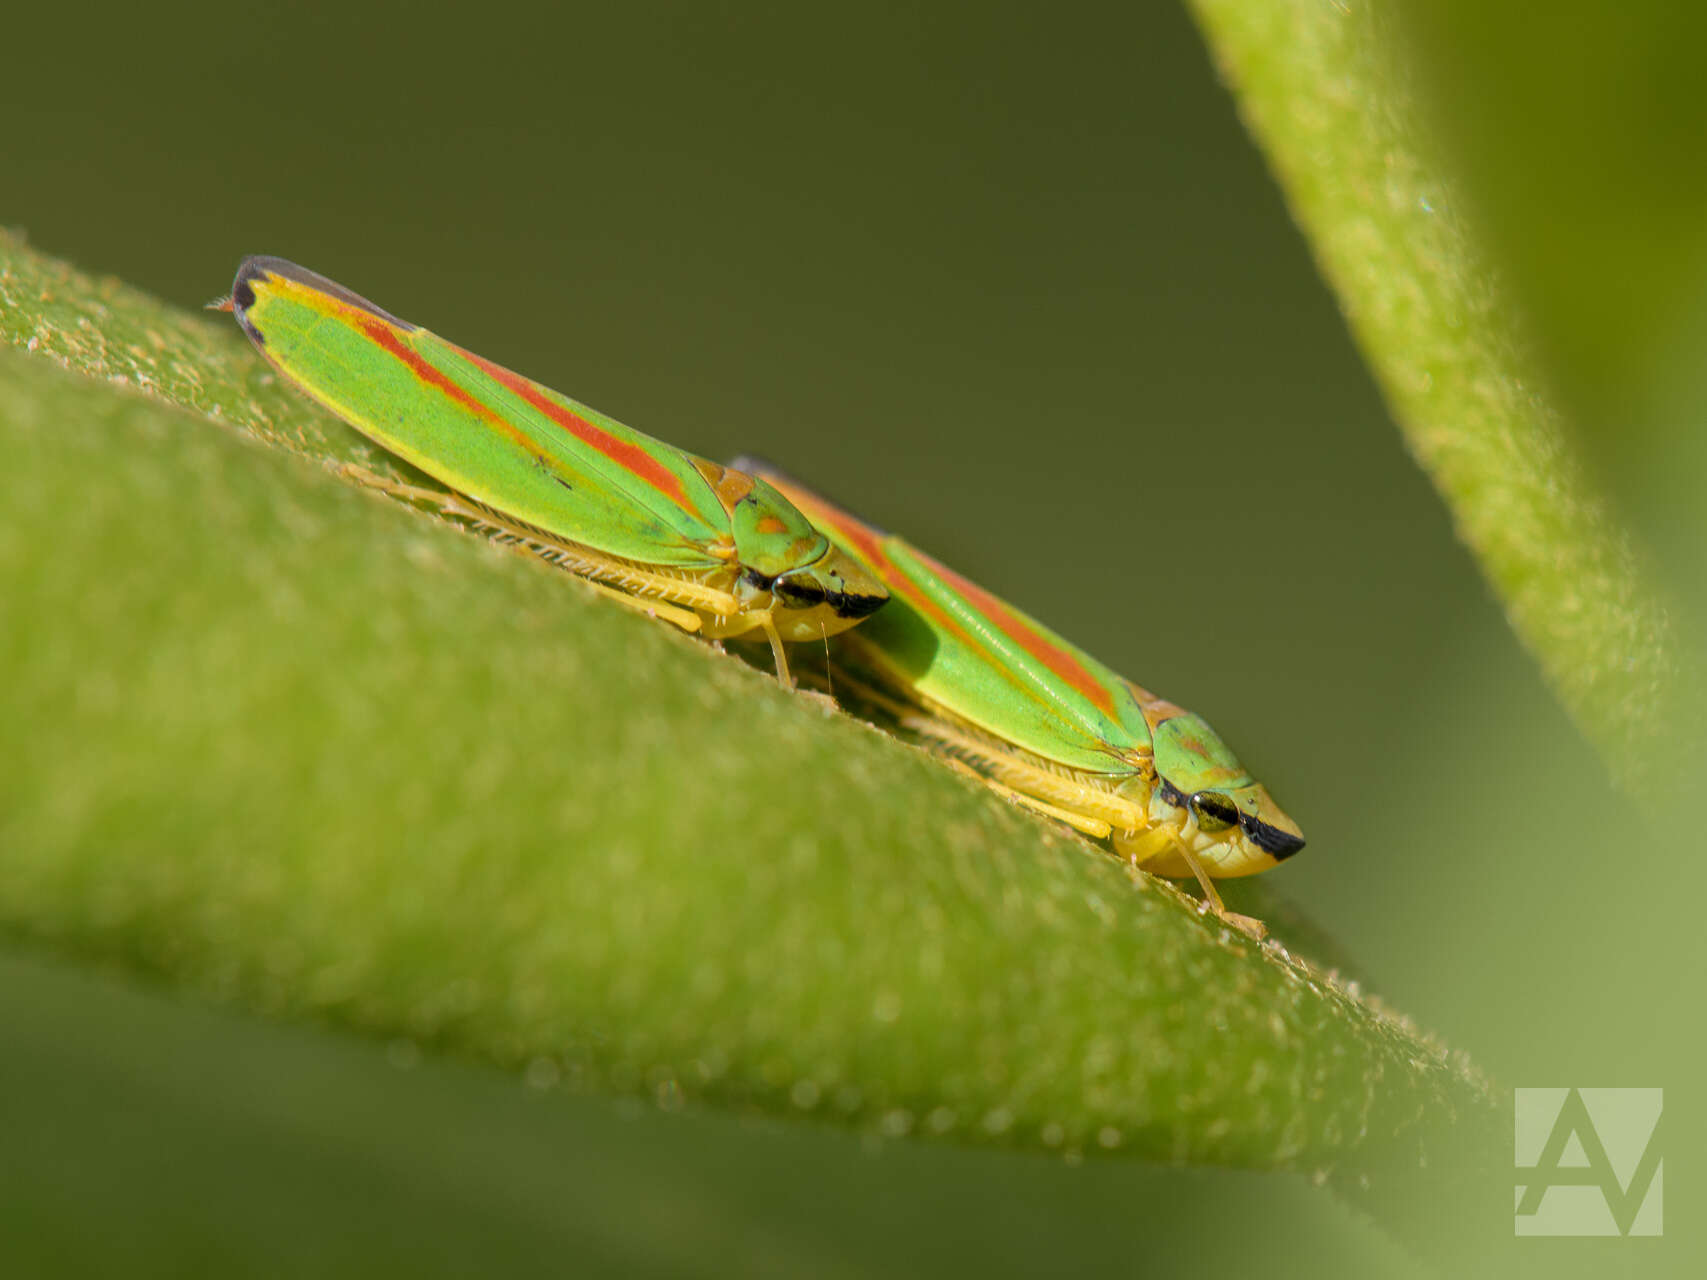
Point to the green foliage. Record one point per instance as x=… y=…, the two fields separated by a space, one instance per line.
x=304 y=749
x=1324 y=90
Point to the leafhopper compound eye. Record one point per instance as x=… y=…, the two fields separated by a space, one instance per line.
x=1214 y=812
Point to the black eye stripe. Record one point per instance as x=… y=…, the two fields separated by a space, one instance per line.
x=1278 y=844
x=798 y=591
x=804 y=592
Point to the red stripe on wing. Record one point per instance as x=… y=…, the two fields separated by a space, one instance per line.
x=868 y=545
x=1020 y=630
x=417 y=364
x=631 y=457
x=386 y=336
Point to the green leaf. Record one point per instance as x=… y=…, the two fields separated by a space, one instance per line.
x=1325 y=91
x=295 y=746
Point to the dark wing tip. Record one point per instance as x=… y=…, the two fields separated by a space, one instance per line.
x=261 y=267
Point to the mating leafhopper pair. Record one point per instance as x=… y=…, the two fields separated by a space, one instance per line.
x=728 y=550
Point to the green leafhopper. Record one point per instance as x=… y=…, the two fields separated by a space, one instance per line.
x=708 y=547
x=1043 y=721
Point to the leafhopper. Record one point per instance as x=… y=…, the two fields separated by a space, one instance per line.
x=1044 y=722
x=710 y=548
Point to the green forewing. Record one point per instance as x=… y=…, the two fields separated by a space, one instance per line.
x=1003 y=671
x=502 y=439
x=982 y=659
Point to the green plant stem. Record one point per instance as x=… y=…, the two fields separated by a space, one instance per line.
x=1324 y=90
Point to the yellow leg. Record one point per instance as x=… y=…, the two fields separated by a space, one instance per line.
x=679 y=600
x=1245 y=924
x=398 y=489
x=946 y=738
x=686 y=619
x=451 y=504
x=782 y=672
x=866 y=693
x=909 y=717
x=1095 y=828
x=721 y=626
x=1142 y=846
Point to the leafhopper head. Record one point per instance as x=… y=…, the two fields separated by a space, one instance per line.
x=810 y=586
x=823 y=598
x=1207 y=801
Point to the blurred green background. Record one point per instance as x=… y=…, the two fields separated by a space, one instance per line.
x=1013 y=280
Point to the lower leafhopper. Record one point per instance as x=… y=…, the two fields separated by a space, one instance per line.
x=1043 y=721
x=711 y=548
